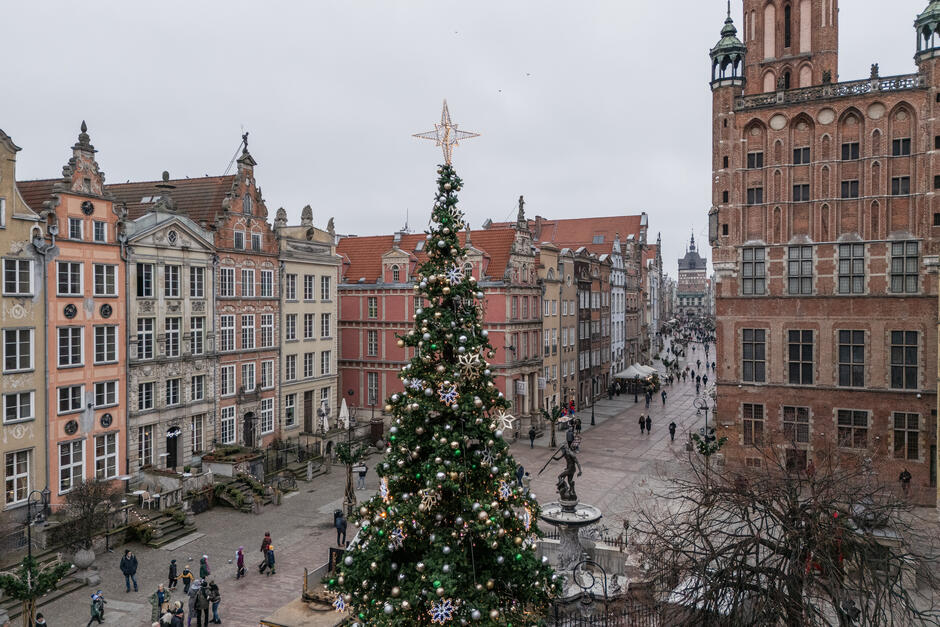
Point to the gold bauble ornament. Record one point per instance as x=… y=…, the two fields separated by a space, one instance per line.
x=437 y=314
x=453 y=476
x=440 y=592
x=340 y=580
x=517 y=540
x=396 y=591
x=494 y=614
x=401 y=343
x=446 y=289
x=501 y=532
x=489 y=584
x=478 y=587
x=405 y=605
x=388 y=408
x=441 y=368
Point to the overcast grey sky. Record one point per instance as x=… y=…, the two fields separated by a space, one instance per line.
x=586 y=108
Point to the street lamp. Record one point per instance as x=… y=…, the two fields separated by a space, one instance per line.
x=708 y=446
x=593 y=397
x=636 y=388
x=40 y=516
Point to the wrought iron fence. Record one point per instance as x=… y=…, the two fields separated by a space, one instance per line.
x=279 y=455
x=634 y=614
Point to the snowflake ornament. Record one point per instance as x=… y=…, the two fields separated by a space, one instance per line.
x=442 y=611
x=398 y=537
x=469 y=363
x=339 y=603
x=456 y=218
x=526 y=518
x=383 y=489
x=504 y=490
x=454 y=275
x=505 y=419
x=448 y=394
x=429 y=498
x=415 y=384
x=488 y=457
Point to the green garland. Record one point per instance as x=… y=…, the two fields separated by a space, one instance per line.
x=32 y=580
x=449 y=537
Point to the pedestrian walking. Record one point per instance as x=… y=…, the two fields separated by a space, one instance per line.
x=129 y=568
x=204 y=567
x=40 y=620
x=642 y=422
x=361 y=478
x=97 y=608
x=193 y=595
x=697 y=386
x=531 y=437
x=569 y=434
x=240 y=562
x=215 y=598
x=663 y=395
x=270 y=554
x=577 y=425
x=172 y=575
x=705 y=380
x=649 y=425
x=178 y=619
x=159 y=601
x=266 y=542
x=340 y=523
x=187 y=577
x=905 y=479
x=520 y=473
x=647 y=396
x=526 y=481
x=713 y=366
x=201 y=604
x=672 y=431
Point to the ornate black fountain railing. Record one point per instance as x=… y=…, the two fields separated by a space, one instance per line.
x=902 y=82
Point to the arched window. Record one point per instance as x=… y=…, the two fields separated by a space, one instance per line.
x=396 y=274
x=787 y=29
x=467 y=269
x=786 y=79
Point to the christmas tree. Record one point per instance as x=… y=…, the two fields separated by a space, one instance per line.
x=450 y=536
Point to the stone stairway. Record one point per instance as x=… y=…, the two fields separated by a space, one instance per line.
x=169 y=525
x=14 y=608
x=238 y=494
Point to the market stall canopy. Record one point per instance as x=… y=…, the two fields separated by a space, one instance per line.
x=645 y=370
x=629 y=373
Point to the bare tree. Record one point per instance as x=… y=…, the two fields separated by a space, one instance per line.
x=828 y=544
x=87 y=507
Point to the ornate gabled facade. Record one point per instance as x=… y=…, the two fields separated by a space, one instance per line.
x=171 y=320
x=309 y=373
x=691 y=297
x=22 y=315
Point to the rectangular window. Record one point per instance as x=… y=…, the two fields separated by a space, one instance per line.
x=267 y=283
x=800 y=357
x=850 y=151
x=755 y=195
x=71 y=464
x=901 y=147
x=904 y=360
x=226 y=281
x=800 y=270
x=145 y=396
x=16 y=475
x=196 y=428
x=325 y=325
x=69 y=278
x=227 y=381
x=290 y=327
x=900 y=186
x=18 y=407
x=145 y=446
x=145 y=280
x=525 y=307
x=801 y=155
x=105 y=280
x=267 y=375
x=290 y=404
x=238 y=240
x=905 y=262
x=145 y=338
x=372 y=343
x=906 y=435
x=796 y=424
x=852 y=359
x=248 y=377
x=105 y=394
x=100 y=231
x=372 y=387
x=801 y=192
x=172 y=337
x=197 y=335
x=248 y=283
x=197 y=282
x=853 y=428
x=309 y=331
x=754 y=355
x=373 y=307
x=17 y=277
x=851 y=268
x=514 y=307
x=197 y=387
x=267 y=330
x=325 y=362
x=290 y=287
x=70 y=346
x=105 y=344
x=753 y=271
x=267 y=415
x=290 y=368
x=308 y=286
x=171 y=281
x=228 y=425
x=248 y=331
x=173 y=392
x=325 y=287
x=850 y=189
x=75 y=228
x=106 y=456
x=753 y=424
x=71 y=398
x=17 y=350
x=308 y=365
x=227 y=333
x=256 y=241
x=755 y=160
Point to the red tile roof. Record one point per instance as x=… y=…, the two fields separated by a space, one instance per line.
x=650 y=253
x=577 y=232
x=362 y=256
x=36 y=192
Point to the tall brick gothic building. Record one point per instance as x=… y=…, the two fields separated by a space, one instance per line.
x=825 y=226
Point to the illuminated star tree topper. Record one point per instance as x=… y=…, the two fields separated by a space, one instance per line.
x=446 y=134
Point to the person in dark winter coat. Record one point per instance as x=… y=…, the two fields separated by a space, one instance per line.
x=97 y=609
x=129 y=568
x=240 y=562
x=204 y=567
x=270 y=554
x=172 y=575
x=642 y=422
x=569 y=434
x=215 y=597
x=201 y=605
x=158 y=601
x=178 y=616
x=41 y=620
x=663 y=395
x=532 y=437
x=649 y=425
x=265 y=543
x=193 y=595
x=187 y=577
x=340 y=523
x=672 y=431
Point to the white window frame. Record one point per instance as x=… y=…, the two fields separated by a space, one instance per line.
x=249 y=381
x=81 y=229
x=227 y=424
x=71 y=409
x=226 y=281
x=290 y=327
x=197 y=335
x=325 y=326
x=227 y=380
x=69 y=267
x=109 y=389
x=110 y=340
x=309 y=365
x=266 y=414
x=267 y=331
x=248 y=332
x=197 y=383
x=248 y=283
x=310 y=331
x=309 y=283
x=145 y=446
x=144 y=279
x=104 y=231
x=290 y=410
x=109 y=458
x=19 y=355
x=12 y=482
x=71 y=333
x=326 y=288
x=257 y=242
x=172 y=280
x=197 y=282
x=227 y=333
x=16 y=266
x=290 y=287
x=290 y=367
x=267 y=375
x=197 y=427
x=267 y=284
x=108 y=274
x=141 y=388
x=145 y=338
x=73 y=466
x=325 y=357
x=171 y=336
x=173 y=392
x=236 y=236
x=14 y=401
